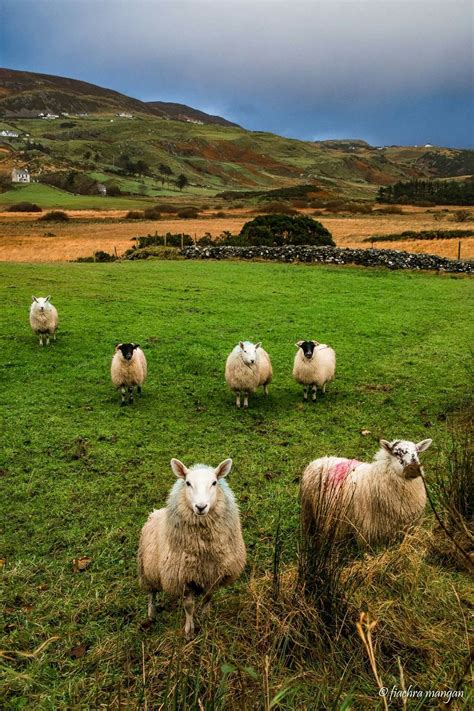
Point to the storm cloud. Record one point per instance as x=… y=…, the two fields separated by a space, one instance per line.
x=384 y=71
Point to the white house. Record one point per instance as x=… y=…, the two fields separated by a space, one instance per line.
x=102 y=189
x=9 y=134
x=20 y=175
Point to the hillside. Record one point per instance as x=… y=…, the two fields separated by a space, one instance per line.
x=213 y=154
x=22 y=93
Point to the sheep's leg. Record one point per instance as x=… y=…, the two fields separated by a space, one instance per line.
x=123 y=390
x=246 y=399
x=47 y=339
x=152 y=605
x=265 y=388
x=237 y=400
x=324 y=388
x=130 y=394
x=206 y=604
x=315 y=390
x=139 y=390
x=305 y=392
x=54 y=336
x=189 y=604
x=41 y=339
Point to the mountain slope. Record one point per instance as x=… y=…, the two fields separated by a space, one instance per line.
x=29 y=92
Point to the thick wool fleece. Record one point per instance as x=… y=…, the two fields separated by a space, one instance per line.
x=128 y=372
x=376 y=501
x=178 y=547
x=319 y=370
x=239 y=376
x=265 y=370
x=43 y=321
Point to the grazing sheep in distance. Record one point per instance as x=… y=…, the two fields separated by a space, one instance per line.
x=128 y=369
x=314 y=366
x=195 y=544
x=247 y=367
x=43 y=318
x=374 y=502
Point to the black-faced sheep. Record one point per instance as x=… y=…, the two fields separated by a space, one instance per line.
x=314 y=366
x=128 y=369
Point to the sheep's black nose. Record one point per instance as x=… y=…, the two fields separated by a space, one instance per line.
x=201 y=508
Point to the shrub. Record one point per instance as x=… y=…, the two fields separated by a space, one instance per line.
x=135 y=215
x=390 y=210
x=275 y=230
x=168 y=240
x=188 y=213
x=113 y=189
x=360 y=208
x=24 y=207
x=220 y=214
x=55 y=216
x=167 y=208
x=156 y=252
x=278 y=208
x=152 y=213
x=98 y=256
x=462 y=216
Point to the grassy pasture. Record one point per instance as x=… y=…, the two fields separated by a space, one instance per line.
x=79 y=474
x=47 y=196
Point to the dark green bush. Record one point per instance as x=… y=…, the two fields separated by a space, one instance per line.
x=135 y=215
x=55 y=216
x=152 y=213
x=188 y=213
x=275 y=230
x=170 y=240
x=24 y=207
x=277 y=208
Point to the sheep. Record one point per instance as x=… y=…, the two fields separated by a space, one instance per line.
x=43 y=318
x=314 y=366
x=247 y=367
x=373 y=502
x=128 y=369
x=195 y=544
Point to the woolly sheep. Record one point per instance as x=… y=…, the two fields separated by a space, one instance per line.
x=314 y=366
x=195 y=544
x=128 y=369
x=43 y=318
x=247 y=367
x=373 y=501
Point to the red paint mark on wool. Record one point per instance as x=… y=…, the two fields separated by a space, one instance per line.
x=340 y=471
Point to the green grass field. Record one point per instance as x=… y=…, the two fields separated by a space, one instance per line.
x=79 y=474
x=47 y=196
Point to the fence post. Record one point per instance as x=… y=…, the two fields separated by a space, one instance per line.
x=165 y=239
x=459 y=249
x=182 y=240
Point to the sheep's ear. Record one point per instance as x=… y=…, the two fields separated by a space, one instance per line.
x=48 y=298
x=241 y=344
x=298 y=344
x=424 y=444
x=33 y=298
x=316 y=343
x=224 y=468
x=386 y=445
x=179 y=468
x=117 y=346
x=258 y=345
x=135 y=345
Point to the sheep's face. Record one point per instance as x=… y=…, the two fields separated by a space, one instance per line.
x=41 y=303
x=406 y=455
x=126 y=350
x=308 y=348
x=248 y=352
x=201 y=484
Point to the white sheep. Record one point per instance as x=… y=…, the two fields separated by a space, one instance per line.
x=195 y=544
x=247 y=367
x=43 y=318
x=373 y=501
x=314 y=366
x=128 y=369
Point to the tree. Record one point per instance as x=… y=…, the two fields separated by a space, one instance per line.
x=182 y=181
x=165 y=173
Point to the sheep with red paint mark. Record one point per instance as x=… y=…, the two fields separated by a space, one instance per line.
x=372 y=501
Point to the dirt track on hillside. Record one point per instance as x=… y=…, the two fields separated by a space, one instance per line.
x=24 y=239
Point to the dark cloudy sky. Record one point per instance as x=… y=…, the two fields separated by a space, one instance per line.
x=382 y=70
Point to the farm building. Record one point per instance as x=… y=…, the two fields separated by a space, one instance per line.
x=20 y=175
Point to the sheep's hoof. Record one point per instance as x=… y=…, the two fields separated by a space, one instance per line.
x=189 y=633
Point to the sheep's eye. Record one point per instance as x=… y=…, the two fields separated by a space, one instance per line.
x=188 y=483
x=214 y=483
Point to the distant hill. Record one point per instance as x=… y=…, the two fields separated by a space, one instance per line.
x=181 y=112
x=144 y=155
x=28 y=94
